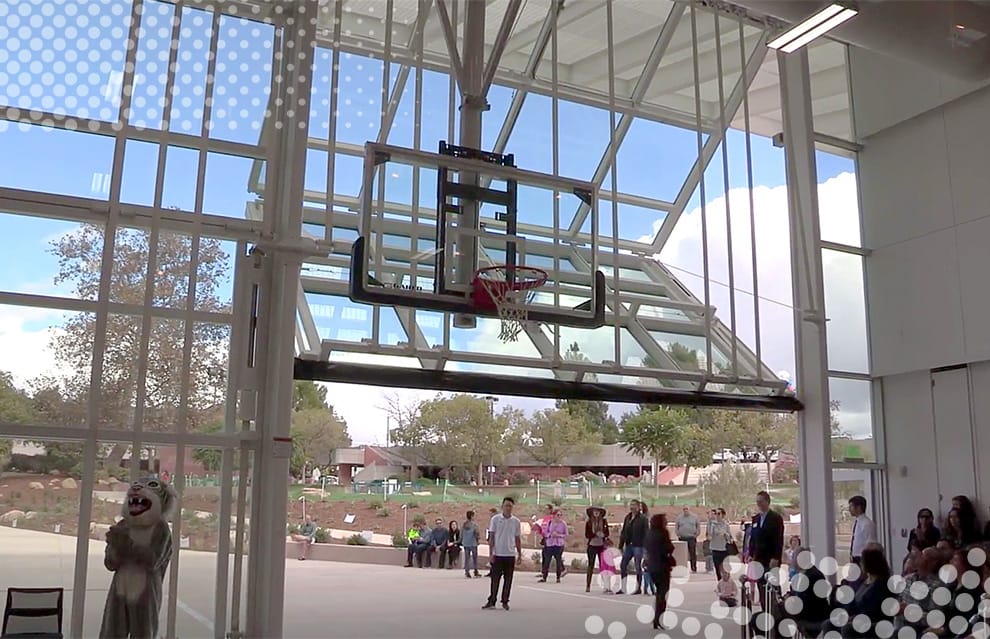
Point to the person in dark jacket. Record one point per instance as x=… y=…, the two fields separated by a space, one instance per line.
x=870 y=596
x=631 y=540
x=439 y=540
x=925 y=534
x=811 y=588
x=766 y=542
x=450 y=552
x=659 y=563
x=596 y=532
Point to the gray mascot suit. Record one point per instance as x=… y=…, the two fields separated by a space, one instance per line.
x=139 y=548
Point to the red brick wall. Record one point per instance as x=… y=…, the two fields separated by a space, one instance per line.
x=167 y=460
x=346 y=472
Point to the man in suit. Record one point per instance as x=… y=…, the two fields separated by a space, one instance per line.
x=766 y=542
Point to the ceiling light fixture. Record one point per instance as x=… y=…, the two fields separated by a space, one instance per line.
x=813 y=27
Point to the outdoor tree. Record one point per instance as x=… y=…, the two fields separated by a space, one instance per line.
x=15 y=408
x=80 y=260
x=697 y=445
x=459 y=433
x=209 y=458
x=593 y=413
x=316 y=434
x=550 y=436
x=732 y=486
x=308 y=394
x=656 y=433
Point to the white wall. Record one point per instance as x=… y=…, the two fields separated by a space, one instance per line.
x=925 y=189
x=887 y=91
x=907 y=402
x=925 y=199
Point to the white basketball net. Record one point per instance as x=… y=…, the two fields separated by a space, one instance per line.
x=511 y=302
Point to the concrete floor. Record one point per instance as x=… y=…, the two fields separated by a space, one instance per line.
x=326 y=599
x=384 y=601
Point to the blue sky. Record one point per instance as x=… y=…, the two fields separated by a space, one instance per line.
x=68 y=58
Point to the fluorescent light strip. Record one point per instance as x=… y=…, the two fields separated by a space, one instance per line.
x=804 y=26
x=818 y=24
x=821 y=29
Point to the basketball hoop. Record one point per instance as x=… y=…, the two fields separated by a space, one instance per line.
x=507 y=289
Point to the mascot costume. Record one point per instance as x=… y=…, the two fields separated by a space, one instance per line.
x=139 y=548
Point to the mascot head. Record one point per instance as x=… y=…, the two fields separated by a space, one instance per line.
x=149 y=500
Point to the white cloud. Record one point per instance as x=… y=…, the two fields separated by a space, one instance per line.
x=25 y=345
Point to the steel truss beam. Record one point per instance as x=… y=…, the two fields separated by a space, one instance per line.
x=732 y=104
x=465 y=382
x=625 y=121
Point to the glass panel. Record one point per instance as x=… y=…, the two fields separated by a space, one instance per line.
x=852 y=420
x=829 y=81
x=39 y=513
x=360 y=93
x=845 y=306
x=47 y=356
x=847 y=483
x=838 y=199
x=137 y=184
x=61 y=59
x=181 y=170
x=47 y=160
x=227 y=184
x=151 y=68
x=671 y=152
x=41 y=242
x=242 y=80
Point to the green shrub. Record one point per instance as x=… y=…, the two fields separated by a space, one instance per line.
x=322 y=536
x=412 y=504
x=357 y=540
x=557 y=501
x=400 y=541
x=383 y=512
x=375 y=505
x=291 y=529
x=536 y=557
x=579 y=564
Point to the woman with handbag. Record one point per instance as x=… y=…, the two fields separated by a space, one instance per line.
x=596 y=532
x=719 y=539
x=660 y=562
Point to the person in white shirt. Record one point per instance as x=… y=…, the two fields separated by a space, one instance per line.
x=505 y=548
x=864 y=530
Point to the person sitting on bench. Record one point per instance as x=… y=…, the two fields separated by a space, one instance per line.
x=419 y=543
x=439 y=539
x=452 y=550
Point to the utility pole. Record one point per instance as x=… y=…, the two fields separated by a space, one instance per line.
x=388 y=430
x=492 y=400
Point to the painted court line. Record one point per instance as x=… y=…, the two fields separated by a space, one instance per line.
x=194 y=614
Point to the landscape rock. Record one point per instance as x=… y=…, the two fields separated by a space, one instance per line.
x=36 y=485
x=69 y=483
x=11 y=515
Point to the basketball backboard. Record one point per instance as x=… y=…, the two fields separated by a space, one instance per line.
x=431 y=221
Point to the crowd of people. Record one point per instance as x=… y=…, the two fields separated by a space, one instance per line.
x=942 y=588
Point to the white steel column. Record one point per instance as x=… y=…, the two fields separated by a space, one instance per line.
x=280 y=281
x=473 y=104
x=814 y=424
